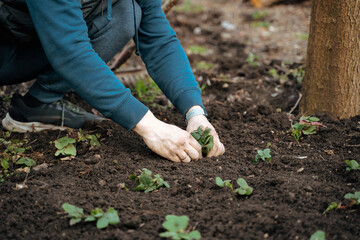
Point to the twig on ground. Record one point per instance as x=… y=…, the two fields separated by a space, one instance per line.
x=296 y=104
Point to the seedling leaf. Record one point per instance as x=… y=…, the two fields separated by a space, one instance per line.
x=176 y=228
x=355 y=197
x=204 y=138
x=352 y=165
x=146 y=183
x=27 y=161
x=219 y=182
x=318 y=235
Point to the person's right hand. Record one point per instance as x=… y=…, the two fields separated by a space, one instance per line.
x=167 y=140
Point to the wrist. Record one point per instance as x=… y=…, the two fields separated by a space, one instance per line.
x=146 y=124
x=195 y=111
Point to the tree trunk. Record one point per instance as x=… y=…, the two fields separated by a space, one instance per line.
x=332 y=81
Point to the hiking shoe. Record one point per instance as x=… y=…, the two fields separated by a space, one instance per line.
x=59 y=115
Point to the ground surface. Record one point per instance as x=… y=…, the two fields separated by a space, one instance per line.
x=248 y=108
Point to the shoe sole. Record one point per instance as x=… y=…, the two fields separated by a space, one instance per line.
x=15 y=126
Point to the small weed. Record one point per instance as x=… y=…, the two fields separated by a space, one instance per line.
x=352 y=165
x=177 y=228
x=103 y=219
x=263 y=155
x=146 y=183
x=307 y=126
x=354 y=200
x=196 y=49
x=65 y=146
x=205 y=139
x=189 y=7
x=202 y=65
x=93 y=139
x=259 y=19
x=282 y=77
x=318 y=235
x=244 y=188
x=252 y=60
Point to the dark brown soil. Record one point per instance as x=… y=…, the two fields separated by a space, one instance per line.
x=248 y=109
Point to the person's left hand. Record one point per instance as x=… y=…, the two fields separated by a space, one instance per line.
x=201 y=120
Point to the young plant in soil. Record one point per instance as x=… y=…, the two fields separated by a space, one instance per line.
x=263 y=155
x=244 y=188
x=146 y=183
x=352 y=165
x=103 y=219
x=205 y=139
x=65 y=146
x=14 y=153
x=306 y=126
x=354 y=200
x=177 y=228
x=93 y=140
x=318 y=235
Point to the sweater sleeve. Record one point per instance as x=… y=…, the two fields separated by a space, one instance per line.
x=63 y=35
x=165 y=59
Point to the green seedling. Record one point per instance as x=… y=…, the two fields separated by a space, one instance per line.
x=65 y=146
x=177 y=228
x=263 y=155
x=196 y=49
x=282 y=77
x=146 y=183
x=307 y=126
x=93 y=139
x=103 y=219
x=205 y=139
x=252 y=60
x=318 y=235
x=354 y=197
x=354 y=200
x=332 y=206
x=244 y=188
x=14 y=153
x=352 y=165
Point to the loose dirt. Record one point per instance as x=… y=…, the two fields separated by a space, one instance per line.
x=249 y=109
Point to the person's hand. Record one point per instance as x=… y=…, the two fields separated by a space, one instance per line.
x=167 y=140
x=201 y=120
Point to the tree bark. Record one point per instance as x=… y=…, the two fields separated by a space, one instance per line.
x=332 y=81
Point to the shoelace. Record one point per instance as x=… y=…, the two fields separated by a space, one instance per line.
x=69 y=105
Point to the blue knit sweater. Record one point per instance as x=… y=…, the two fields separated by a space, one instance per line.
x=64 y=37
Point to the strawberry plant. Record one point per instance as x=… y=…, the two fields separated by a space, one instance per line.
x=177 y=229
x=103 y=219
x=205 y=139
x=146 y=183
x=244 y=188
x=306 y=126
x=352 y=165
x=263 y=155
x=65 y=146
x=93 y=139
x=354 y=200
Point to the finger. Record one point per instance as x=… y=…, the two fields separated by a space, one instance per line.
x=220 y=150
x=195 y=145
x=172 y=157
x=182 y=155
x=192 y=152
x=187 y=159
